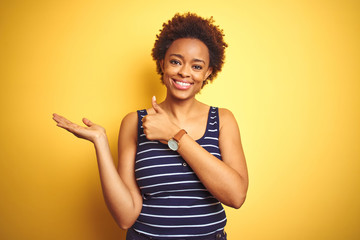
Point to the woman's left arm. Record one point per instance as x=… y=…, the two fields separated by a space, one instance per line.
x=227 y=180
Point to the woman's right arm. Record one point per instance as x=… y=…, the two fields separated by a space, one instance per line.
x=127 y=146
x=121 y=193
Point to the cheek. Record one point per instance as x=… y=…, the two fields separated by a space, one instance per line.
x=168 y=70
x=200 y=77
x=168 y=73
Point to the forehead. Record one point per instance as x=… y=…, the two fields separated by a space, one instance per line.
x=189 y=48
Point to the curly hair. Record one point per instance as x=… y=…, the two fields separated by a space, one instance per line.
x=190 y=25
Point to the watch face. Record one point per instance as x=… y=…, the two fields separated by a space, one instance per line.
x=173 y=145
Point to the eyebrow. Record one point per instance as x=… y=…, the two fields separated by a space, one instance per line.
x=182 y=57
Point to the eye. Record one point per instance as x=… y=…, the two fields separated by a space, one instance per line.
x=174 y=62
x=197 y=67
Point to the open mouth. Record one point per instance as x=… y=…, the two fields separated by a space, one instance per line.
x=181 y=85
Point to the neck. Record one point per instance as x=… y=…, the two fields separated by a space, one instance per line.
x=180 y=109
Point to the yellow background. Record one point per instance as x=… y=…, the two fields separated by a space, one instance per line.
x=291 y=78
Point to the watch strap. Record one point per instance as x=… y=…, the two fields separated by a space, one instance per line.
x=179 y=135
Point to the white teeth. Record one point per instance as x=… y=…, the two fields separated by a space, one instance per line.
x=182 y=83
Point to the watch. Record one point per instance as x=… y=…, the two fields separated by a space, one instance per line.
x=173 y=143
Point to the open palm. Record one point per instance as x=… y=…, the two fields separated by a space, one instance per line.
x=91 y=132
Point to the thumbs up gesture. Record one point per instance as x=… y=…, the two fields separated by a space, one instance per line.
x=158 y=126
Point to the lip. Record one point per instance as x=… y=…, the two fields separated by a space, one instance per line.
x=181 y=84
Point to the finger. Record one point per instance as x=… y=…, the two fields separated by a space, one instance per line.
x=70 y=126
x=146 y=134
x=87 y=122
x=64 y=123
x=156 y=107
x=60 y=119
x=56 y=117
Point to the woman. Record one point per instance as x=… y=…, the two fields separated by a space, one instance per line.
x=180 y=159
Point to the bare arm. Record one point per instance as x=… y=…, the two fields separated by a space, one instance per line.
x=227 y=180
x=126 y=166
x=119 y=194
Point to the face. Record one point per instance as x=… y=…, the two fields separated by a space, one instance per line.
x=185 y=67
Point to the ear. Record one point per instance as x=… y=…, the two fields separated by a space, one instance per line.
x=162 y=65
x=208 y=72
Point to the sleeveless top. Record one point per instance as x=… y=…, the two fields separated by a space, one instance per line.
x=176 y=205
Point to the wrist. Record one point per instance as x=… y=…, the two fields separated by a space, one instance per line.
x=100 y=139
x=174 y=142
x=173 y=132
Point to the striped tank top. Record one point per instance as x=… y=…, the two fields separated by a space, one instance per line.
x=176 y=205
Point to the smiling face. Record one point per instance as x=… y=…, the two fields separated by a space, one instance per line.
x=185 y=67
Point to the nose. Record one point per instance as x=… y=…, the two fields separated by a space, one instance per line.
x=184 y=71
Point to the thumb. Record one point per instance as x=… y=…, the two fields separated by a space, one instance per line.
x=87 y=122
x=156 y=107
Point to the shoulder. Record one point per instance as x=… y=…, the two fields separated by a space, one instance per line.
x=129 y=124
x=226 y=115
x=130 y=118
x=227 y=120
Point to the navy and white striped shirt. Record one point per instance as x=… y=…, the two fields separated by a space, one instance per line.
x=176 y=205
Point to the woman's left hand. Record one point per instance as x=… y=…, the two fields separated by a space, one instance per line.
x=158 y=126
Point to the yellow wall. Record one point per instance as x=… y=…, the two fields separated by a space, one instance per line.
x=291 y=78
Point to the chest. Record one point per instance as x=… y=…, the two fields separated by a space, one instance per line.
x=195 y=126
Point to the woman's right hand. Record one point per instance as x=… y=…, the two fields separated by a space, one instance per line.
x=92 y=132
